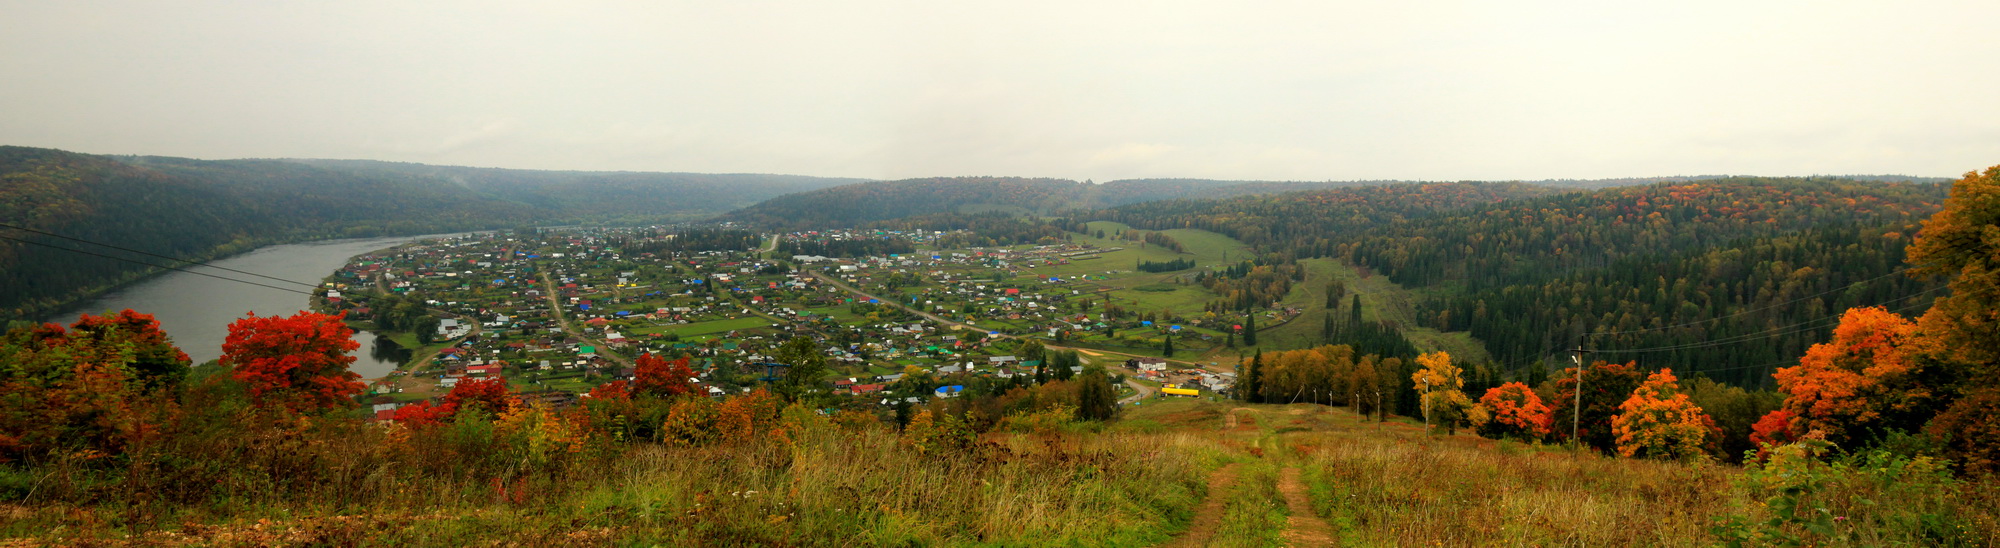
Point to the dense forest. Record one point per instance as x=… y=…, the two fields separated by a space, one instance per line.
x=1725 y=278
x=201 y=209
x=859 y=204
x=603 y=197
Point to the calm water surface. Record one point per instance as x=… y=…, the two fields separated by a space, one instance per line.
x=196 y=310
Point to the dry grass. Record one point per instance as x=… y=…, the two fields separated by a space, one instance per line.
x=816 y=486
x=1394 y=490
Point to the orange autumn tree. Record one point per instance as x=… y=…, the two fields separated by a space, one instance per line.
x=1865 y=379
x=1659 y=421
x=1512 y=410
x=297 y=363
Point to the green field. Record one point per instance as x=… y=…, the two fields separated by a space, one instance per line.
x=708 y=327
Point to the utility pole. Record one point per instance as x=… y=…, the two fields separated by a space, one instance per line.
x=1380 y=415
x=1427 y=405
x=1576 y=411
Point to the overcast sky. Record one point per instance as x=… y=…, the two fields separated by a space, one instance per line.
x=1317 y=90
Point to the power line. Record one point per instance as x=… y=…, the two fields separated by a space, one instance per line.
x=1755 y=310
x=1691 y=371
x=175 y=268
x=130 y=250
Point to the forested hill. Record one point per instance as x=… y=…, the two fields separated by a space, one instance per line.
x=1724 y=277
x=864 y=203
x=198 y=209
x=857 y=204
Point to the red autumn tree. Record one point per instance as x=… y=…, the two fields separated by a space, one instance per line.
x=298 y=363
x=489 y=395
x=660 y=378
x=1659 y=421
x=1512 y=410
x=136 y=340
x=1773 y=430
x=609 y=409
x=97 y=387
x=423 y=414
x=614 y=390
x=1865 y=379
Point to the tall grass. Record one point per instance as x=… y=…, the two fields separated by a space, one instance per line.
x=815 y=485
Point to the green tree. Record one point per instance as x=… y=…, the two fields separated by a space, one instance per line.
x=1250 y=330
x=1063 y=365
x=1167 y=345
x=1095 y=400
x=808 y=366
x=1031 y=350
x=1248 y=386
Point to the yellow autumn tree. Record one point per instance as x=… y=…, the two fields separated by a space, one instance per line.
x=1440 y=389
x=1659 y=421
x=1960 y=333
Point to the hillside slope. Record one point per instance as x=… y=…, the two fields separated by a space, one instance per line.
x=604 y=197
x=1726 y=277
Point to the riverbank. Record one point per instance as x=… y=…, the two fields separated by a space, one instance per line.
x=52 y=310
x=196 y=310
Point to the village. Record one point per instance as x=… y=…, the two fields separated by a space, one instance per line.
x=558 y=312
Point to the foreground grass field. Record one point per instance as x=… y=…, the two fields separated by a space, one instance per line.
x=1177 y=473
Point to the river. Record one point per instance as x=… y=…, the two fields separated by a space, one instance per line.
x=196 y=310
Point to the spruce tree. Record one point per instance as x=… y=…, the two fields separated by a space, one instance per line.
x=1095 y=399
x=1250 y=330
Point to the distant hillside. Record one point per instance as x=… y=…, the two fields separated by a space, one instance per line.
x=860 y=204
x=604 y=197
x=1637 y=181
x=199 y=209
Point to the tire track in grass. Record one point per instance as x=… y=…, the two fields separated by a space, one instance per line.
x=1302 y=528
x=1208 y=517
